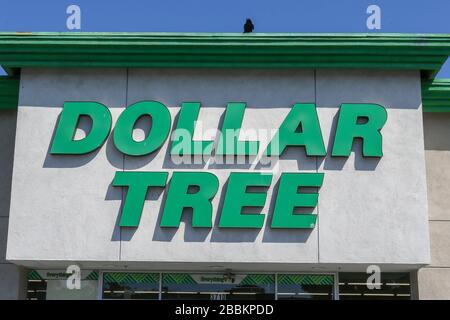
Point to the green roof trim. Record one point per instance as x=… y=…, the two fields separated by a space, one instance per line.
x=436 y=95
x=425 y=52
x=9 y=92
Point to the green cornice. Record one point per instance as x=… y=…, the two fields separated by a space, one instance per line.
x=425 y=52
x=9 y=92
x=436 y=95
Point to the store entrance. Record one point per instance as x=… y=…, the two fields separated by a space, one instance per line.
x=46 y=284
x=224 y=286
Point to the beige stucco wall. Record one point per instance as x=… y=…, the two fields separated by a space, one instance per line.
x=434 y=280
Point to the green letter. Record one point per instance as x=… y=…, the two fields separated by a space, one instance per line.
x=348 y=129
x=123 y=131
x=288 y=198
x=186 y=124
x=300 y=128
x=138 y=184
x=63 y=142
x=237 y=197
x=229 y=143
x=180 y=197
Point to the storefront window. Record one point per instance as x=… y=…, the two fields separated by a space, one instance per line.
x=37 y=286
x=218 y=286
x=122 y=285
x=392 y=286
x=52 y=285
x=305 y=286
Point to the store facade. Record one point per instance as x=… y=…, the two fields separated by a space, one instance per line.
x=170 y=166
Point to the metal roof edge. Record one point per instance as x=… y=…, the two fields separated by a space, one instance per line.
x=425 y=52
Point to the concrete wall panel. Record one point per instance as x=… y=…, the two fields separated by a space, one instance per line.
x=3 y=238
x=434 y=283
x=63 y=208
x=374 y=210
x=7 y=134
x=269 y=95
x=440 y=243
x=436 y=128
x=12 y=282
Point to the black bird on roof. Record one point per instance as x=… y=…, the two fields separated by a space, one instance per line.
x=248 y=26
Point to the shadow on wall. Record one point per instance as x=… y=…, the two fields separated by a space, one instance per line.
x=284 y=235
x=8 y=120
x=337 y=163
x=70 y=161
x=436 y=131
x=392 y=89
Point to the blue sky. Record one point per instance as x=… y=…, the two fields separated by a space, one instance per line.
x=415 y=16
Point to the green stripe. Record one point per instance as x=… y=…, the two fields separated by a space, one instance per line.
x=130 y=278
x=178 y=278
x=92 y=276
x=305 y=279
x=33 y=275
x=258 y=279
